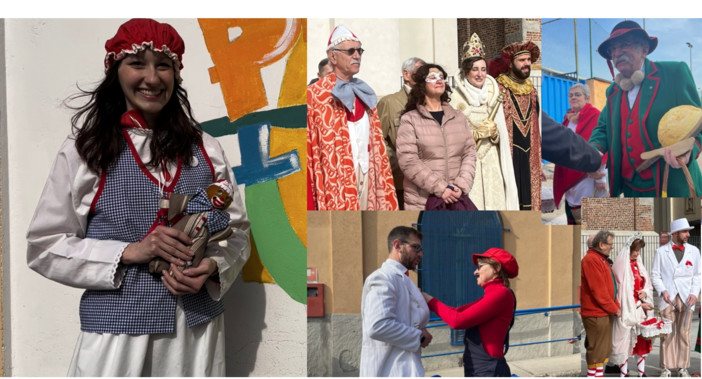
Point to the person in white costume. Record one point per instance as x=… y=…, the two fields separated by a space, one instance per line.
x=676 y=277
x=476 y=96
x=100 y=219
x=635 y=295
x=394 y=312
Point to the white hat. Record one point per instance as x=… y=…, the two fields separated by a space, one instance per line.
x=679 y=224
x=224 y=185
x=339 y=35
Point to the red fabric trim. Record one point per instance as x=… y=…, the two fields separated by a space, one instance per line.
x=611 y=165
x=176 y=177
x=137 y=158
x=101 y=187
x=146 y=172
x=648 y=109
x=133 y=119
x=207 y=159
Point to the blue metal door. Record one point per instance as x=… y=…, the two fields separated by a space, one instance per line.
x=450 y=240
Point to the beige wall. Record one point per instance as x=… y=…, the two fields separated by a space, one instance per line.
x=598 y=88
x=346 y=247
x=388 y=42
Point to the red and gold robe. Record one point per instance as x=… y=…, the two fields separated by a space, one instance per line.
x=330 y=162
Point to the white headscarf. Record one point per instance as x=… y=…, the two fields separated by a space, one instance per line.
x=624 y=328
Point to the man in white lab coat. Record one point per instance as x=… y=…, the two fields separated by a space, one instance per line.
x=394 y=312
x=676 y=277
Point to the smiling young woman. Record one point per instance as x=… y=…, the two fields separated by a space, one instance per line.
x=103 y=218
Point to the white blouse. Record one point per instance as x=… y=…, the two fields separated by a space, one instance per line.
x=56 y=243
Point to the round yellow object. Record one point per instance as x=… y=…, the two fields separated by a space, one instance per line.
x=677 y=123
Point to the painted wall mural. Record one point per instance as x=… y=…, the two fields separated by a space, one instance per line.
x=272 y=168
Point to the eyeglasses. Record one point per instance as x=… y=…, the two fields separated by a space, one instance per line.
x=481 y=264
x=417 y=247
x=434 y=77
x=351 y=51
x=625 y=44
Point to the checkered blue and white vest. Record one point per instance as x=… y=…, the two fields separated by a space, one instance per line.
x=124 y=210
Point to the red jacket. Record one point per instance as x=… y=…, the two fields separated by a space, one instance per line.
x=565 y=178
x=597 y=287
x=492 y=315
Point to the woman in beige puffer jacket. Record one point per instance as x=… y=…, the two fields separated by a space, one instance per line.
x=436 y=157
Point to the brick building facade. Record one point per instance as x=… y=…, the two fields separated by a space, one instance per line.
x=497 y=33
x=617 y=214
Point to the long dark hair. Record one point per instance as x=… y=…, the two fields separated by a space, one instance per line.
x=96 y=124
x=418 y=93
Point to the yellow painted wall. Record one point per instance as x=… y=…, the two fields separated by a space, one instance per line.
x=346 y=247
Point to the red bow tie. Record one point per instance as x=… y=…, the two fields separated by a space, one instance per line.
x=679 y=247
x=407 y=272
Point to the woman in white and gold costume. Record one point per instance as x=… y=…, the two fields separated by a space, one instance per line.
x=476 y=95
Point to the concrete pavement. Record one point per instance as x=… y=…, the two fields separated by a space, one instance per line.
x=541 y=367
x=653 y=359
x=574 y=365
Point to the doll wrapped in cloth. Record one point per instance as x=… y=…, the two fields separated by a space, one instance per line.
x=203 y=218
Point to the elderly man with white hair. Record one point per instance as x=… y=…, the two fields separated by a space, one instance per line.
x=347 y=163
x=389 y=108
x=676 y=277
x=642 y=92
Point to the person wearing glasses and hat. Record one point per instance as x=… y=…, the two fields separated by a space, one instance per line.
x=676 y=277
x=100 y=219
x=393 y=312
x=642 y=92
x=598 y=302
x=488 y=320
x=346 y=156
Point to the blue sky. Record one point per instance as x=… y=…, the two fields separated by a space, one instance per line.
x=559 y=48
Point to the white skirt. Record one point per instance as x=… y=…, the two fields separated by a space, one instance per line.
x=197 y=351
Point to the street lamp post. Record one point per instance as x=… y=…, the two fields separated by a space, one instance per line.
x=690 y=46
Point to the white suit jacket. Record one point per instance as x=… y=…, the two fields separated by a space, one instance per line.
x=681 y=278
x=392 y=310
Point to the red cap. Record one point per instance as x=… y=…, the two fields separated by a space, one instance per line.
x=509 y=264
x=139 y=34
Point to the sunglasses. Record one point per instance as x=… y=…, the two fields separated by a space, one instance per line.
x=351 y=51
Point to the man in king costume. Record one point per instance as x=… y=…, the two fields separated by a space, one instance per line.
x=511 y=69
x=346 y=157
x=642 y=92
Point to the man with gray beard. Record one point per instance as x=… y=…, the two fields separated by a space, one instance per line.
x=642 y=92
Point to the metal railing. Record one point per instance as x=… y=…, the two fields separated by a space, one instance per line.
x=520 y=312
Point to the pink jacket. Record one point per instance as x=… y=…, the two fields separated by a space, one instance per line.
x=431 y=156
